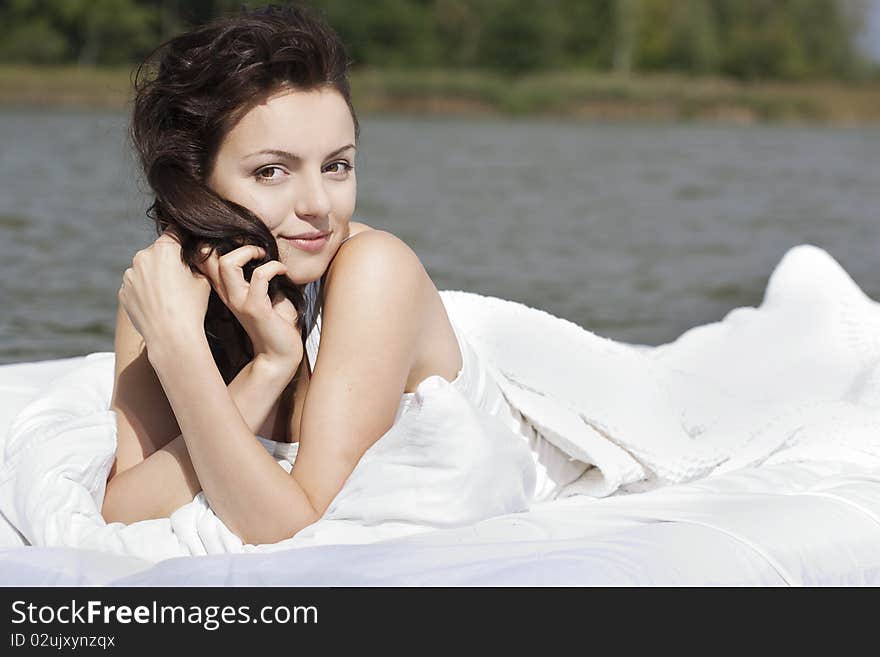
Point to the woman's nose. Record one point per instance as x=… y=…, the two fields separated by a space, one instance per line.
x=312 y=199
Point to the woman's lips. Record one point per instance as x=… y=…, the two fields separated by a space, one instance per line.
x=312 y=246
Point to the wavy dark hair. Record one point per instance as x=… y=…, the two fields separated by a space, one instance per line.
x=189 y=93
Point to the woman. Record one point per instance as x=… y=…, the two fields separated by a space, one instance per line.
x=247 y=136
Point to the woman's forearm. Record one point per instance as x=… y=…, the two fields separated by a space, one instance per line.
x=166 y=480
x=254 y=497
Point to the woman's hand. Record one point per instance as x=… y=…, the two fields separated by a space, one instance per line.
x=270 y=324
x=162 y=297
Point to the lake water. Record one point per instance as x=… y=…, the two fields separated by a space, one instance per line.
x=634 y=231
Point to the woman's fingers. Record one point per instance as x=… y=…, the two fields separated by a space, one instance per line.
x=259 y=289
x=232 y=272
x=226 y=274
x=211 y=269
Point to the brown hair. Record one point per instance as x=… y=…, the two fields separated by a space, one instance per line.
x=189 y=93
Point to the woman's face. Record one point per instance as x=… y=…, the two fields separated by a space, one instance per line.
x=290 y=161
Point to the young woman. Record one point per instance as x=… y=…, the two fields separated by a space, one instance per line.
x=247 y=136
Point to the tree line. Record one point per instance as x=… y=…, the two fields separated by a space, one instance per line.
x=746 y=39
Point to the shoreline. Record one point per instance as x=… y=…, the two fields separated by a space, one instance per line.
x=576 y=95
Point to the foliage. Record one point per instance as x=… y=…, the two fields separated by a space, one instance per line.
x=758 y=39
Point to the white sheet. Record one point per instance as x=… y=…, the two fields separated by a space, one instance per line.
x=19 y=384
x=758 y=526
x=796 y=378
x=61 y=447
x=791 y=385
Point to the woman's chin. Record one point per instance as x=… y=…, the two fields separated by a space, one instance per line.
x=303 y=277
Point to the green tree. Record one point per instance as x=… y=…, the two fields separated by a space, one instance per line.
x=86 y=31
x=587 y=41
x=30 y=34
x=457 y=28
x=108 y=31
x=693 y=38
x=385 y=33
x=747 y=39
x=518 y=37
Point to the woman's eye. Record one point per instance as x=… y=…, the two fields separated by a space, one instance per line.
x=340 y=168
x=269 y=173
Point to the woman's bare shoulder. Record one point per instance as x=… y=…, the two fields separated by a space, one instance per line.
x=382 y=269
x=379 y=266
x=370 y=249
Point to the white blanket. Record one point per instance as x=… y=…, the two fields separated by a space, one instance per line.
x=795 y=379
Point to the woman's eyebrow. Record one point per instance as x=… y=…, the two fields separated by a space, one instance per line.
x=291 y=156
x=341 y=150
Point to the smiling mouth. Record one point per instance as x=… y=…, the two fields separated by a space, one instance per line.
x=310 y=244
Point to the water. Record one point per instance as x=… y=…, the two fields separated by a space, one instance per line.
x=635 y=231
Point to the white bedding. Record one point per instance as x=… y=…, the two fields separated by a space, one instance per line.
x=792 y=524
x=755 y=440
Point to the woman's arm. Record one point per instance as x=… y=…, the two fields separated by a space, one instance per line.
x=377 y=294
x=373 y=311
x=166 y=480
x=151 y=476
x=166 y=303
x=246 y=488
x=144 y=419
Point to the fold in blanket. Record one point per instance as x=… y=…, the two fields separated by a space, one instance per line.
x=442 y=464
x=795 y=379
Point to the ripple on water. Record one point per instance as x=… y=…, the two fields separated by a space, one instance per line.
x=639 y=232
x=13 y=222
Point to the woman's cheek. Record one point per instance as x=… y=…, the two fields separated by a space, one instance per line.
x=345 y=199
x=270 y=213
